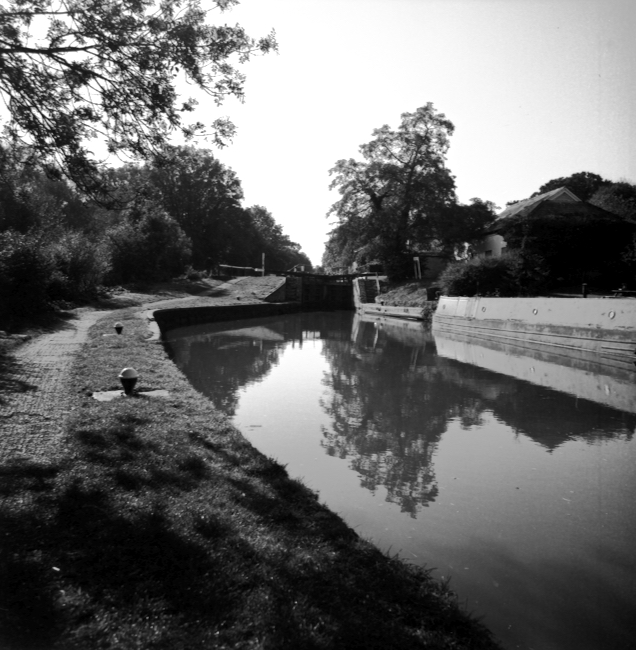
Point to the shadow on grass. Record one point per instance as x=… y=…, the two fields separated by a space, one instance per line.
x=18 y=476
x=73 y=570
x=142 y=544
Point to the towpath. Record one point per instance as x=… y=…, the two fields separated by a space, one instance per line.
x=34 y=377
x=34 y=398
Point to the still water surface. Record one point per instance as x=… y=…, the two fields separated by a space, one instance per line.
x=523 y=495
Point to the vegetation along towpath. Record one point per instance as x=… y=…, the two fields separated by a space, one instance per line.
x=152 y=523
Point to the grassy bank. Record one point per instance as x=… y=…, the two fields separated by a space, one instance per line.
x=157 y=525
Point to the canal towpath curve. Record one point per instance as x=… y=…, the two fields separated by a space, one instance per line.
x=34 y=376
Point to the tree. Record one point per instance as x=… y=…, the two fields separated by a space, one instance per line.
x=619 y=198
x=583 y=184
x=397 y=192
x=204 y=197
x=340 y=248
x=460 y=226
x=281 y=253
x=16 y=210
x=29 y=199
x=148 y=245
x=75 y=70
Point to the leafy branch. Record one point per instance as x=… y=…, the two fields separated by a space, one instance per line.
x=75 y=70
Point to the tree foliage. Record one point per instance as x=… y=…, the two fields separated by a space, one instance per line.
x=517 y=273
x=75 y=70
x=204 y=197
x=401 y=181
x=460 y=226
x=16 y=209
x=281 y=253
x=148 y=245
x=79 y=265
x=401 y=197
x=341 y=247
x=55 y=245
x=583 y=184
x=619 y=198
x=24 y=272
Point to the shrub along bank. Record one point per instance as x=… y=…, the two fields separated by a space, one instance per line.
x=160 y=526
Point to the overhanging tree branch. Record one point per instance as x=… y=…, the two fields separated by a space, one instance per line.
x=110 y=67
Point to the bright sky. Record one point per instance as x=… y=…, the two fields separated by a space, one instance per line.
x=536 y=89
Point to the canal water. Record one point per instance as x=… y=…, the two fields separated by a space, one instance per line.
x=512 y=473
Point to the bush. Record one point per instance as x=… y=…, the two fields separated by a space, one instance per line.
x=148 y=246
x=193 y=275
x=25 y=270
x=512 y=274
x=79 y=267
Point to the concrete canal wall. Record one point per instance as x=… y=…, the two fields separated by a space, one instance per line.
x=603 y=325
x=168 y=319
x=300 y=292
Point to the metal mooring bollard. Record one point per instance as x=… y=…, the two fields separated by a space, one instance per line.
x=118 y=328
x=128 y=378
x=584 y=289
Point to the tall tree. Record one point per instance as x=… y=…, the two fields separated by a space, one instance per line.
x=204 y=197
x=281 y=253
x=74 y=70
x=399 y=188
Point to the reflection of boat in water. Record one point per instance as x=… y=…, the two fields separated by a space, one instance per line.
x=607 y=381
x=409 y=332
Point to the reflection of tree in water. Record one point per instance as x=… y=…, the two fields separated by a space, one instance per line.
x=391 y=397
x=549 y=417
x=389 y=404
x=221 y=358
x=219 y=365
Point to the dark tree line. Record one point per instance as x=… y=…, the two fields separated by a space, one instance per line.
x=182 y=210
x=80 y=77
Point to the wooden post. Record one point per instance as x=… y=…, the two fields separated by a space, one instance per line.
x=418 y=268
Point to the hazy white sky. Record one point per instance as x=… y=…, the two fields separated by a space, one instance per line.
x=536 y=89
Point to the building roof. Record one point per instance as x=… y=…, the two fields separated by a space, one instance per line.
x=578 y=209
x=529 y=205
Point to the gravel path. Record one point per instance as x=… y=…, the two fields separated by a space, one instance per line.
x=34 y=400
